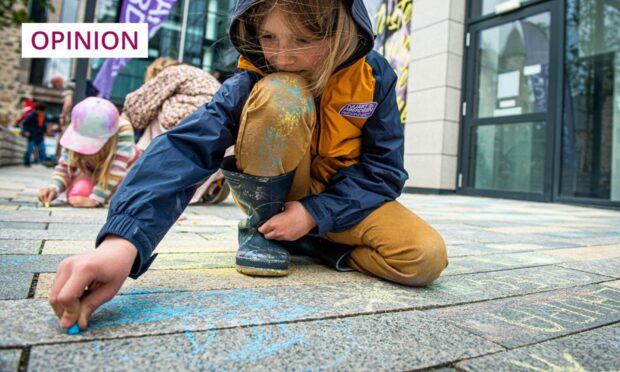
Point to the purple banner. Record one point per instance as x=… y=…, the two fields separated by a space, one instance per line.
x=153 y=12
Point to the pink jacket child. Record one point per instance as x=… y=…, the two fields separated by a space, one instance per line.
x=97 y=153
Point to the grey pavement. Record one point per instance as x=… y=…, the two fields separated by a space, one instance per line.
x=530 y=287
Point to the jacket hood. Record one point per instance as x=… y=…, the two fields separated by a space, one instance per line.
x=358 y=12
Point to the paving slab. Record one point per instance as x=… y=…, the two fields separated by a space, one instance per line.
x=482 y=236
x=538 y=317
x=357 y=343
x=482 y=249
x=607 y=267
x=78 y=219
x=192 y=219
x=591 y=241
x=20 y=246
x=184 y=245
x=462 y=250
x=207 y=229
x=518 y=246
x=495 y=262
x=218 y=279
x=30 y=263
x=19 y=234
x=149 y=314
x=595 y=350
x=227 y=210
x=23 y=225
x=25 y=216
x=14 y=286
x=81 y=227
x=613 y=284
x=175 y=261
x=586 y=253
x=9 y=360
x=187 y=238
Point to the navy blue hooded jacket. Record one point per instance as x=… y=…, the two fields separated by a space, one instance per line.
x=361 y=177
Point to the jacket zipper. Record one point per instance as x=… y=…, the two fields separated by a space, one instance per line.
x=317 y=104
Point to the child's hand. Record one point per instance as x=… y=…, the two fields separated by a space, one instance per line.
x=82 y=202
x=103 y=271
x=47 y=194
x=291 y=224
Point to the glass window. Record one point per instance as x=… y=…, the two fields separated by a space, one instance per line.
x=590 y=164
x=485 y=7
x=206 y=42
x=62 y=66
x=510 y=157
x=513 y=72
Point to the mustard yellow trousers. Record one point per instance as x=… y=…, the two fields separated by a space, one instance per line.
x=275 y=133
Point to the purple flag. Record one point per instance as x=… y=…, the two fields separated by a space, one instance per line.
x=153 y=12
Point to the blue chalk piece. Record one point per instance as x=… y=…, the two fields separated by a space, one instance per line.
x=74 y=330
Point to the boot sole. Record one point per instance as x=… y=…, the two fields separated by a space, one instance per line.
x=253 y=271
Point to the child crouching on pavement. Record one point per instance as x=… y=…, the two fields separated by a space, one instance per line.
x=318 y=162
x=96 y=155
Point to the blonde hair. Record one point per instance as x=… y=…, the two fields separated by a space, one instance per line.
x=323 y=19
x=101 y=160
x=158 y=65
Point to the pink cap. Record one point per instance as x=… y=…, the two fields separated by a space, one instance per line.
x=93 y=122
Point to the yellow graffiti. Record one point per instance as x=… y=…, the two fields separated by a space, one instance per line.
x=380 y=17
x=396 y=44
x=558 y=311
x=531 y=321
x=601 y=300
x=572 y=365
x=400 y=16
x=401 y=108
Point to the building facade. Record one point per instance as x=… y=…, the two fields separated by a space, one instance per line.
x=515 y=99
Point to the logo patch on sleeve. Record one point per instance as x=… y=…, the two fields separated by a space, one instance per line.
x=359 y=110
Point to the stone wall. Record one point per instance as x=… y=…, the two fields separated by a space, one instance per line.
x=12 y=148
x=11 y=88
x=433 y=95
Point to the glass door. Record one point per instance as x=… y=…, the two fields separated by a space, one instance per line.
x=507 y=138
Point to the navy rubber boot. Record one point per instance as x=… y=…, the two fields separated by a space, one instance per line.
x=261 y=198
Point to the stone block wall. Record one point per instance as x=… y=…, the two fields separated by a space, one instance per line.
x=12 y=148
x=11 y=88
x=433 y=94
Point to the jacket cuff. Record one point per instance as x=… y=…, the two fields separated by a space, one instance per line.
x=129 y=228
x=59 y=186
x=98 y=199
x=324 y=221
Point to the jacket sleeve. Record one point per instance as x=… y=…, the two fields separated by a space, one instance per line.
x=161 y=183
x=379 y=176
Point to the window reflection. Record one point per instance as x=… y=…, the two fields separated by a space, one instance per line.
x=510 y=157
x=513 y=73
x=591 y=123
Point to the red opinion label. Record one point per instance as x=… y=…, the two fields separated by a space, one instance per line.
x=85 y=40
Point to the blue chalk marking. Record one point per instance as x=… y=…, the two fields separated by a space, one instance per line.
x=74 y=330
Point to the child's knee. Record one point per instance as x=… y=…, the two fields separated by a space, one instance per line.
x=285 y=95
x=419 y=261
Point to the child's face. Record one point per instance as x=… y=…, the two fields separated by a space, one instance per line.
x=288 y=51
